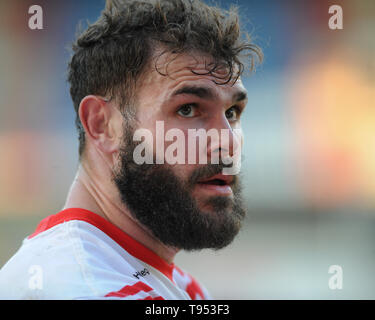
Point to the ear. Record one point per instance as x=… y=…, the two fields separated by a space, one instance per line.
x=102 y=125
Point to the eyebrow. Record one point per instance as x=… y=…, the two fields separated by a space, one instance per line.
x=207 y=93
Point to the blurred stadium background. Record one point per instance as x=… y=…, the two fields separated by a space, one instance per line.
x=309 y=156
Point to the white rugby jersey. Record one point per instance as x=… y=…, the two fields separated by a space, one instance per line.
x=77 y=254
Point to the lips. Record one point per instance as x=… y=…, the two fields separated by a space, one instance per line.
x=219 y=184
x=218 y=179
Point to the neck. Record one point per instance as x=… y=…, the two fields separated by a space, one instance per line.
x=97 y=193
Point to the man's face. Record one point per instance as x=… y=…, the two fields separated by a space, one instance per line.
x=188 y=205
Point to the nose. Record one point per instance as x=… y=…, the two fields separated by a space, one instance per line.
x=225 y=144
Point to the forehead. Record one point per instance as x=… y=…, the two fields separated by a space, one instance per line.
x=168 y=71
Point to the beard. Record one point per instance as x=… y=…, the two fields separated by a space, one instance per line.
x=163 y=203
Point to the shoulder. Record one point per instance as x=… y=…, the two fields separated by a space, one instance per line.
x=44 y=262
x=76 y=254
x=64 y=259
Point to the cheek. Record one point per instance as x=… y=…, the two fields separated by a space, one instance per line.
x=168 y=145
x=238 y=138
x=174 y=144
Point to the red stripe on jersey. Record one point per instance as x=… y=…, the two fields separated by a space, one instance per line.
x=193 y=288
x=180 y=271
x=133 y=247
x=130 y=290
x=151 y=298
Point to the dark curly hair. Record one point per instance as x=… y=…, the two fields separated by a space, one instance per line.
x=110 y=56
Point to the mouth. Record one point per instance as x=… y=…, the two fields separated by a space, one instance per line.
x=218 y=184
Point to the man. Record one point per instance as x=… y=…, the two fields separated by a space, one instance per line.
x=144 y=65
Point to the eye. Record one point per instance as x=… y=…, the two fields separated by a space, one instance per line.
x=187 y=110
x=233 y=113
